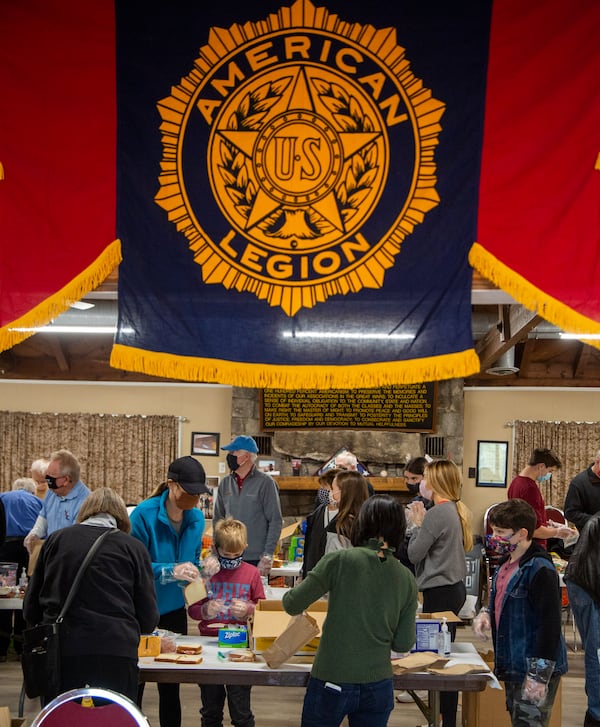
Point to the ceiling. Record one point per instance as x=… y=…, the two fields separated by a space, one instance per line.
x=507 y=337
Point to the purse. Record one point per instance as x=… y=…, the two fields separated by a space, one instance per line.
x=40 y=659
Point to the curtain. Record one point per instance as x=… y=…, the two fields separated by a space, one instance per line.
x=574 y=443
x=130 y=453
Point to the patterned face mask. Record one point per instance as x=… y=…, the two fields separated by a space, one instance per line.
x=229 y=563
x=323 y=496
x=500 y=545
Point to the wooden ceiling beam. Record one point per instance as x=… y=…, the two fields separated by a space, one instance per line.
x=582 y=360
x=526 y=358
x=58 y=353
x=514 y=324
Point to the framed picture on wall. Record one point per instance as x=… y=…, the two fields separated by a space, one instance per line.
x=205 y=444
x=492 y=462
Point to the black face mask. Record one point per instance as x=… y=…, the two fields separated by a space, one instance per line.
x=232 y=462
x=52 y=482
x=413 y=487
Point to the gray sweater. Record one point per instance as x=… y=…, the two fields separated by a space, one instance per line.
x=436 y=548
x=257 y=506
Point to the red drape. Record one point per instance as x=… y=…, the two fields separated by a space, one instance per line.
x=539 y=207
x=57 y=150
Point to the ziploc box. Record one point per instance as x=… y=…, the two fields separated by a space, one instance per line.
x=269 y=620
x=428 y=627
x=233 y=637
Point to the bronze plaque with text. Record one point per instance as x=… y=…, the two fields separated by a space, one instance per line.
x=410 y=408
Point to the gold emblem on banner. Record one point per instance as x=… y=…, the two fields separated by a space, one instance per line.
x=297 y=155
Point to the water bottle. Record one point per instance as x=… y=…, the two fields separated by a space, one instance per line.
x=444 y=640
x=23 y=581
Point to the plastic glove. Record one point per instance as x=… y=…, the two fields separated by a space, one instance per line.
x=168 y=643
x=185 y=572
x=209 y=566
x=417 y=513
x=482 y=624
x=178 y=572
x=265 y=564
x=565 y=532
x=535 y=684
x=30 y=540
x=212 y=608
x=239 y=609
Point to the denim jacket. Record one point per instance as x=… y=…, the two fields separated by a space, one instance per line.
x=530 y=619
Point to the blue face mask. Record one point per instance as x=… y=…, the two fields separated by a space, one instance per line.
x=544 y=478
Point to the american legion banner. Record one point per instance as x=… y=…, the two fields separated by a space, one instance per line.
x=301 y=188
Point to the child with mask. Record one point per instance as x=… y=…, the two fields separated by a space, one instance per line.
x=234 y=592
x=526 y=486
x=524 y=616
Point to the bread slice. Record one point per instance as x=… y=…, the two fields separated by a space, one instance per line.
x=189 y=648
x=172 y=658
x=241 y=655
x=189 y=659
x=194 y=591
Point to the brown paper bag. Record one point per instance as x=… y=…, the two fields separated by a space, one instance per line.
x=33 y=556
x=299 y=631
x=418 y=661
x=458 y=670
x=149 y=645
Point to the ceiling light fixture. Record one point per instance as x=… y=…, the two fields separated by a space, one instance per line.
x=579 y=336
x=362 y=336
x=71 y=329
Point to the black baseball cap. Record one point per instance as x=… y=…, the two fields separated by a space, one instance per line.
x=189 y=474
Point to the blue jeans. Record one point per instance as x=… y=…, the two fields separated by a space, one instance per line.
x=367 y=705
x=587 y=618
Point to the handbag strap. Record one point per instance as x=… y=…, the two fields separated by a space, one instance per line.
x=86 y=561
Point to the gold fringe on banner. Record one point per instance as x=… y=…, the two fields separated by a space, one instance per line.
x=270 y=376
x=533 y=298
x=58 y=303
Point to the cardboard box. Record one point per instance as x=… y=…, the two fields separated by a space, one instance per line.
x=428 y=627
x=488 y=708
x=6 y=721
x=269 y=620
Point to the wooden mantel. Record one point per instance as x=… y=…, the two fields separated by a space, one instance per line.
x=380 y=484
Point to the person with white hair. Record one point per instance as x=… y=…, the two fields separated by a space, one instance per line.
x=346 y=461
x=24 y=483
x=38 y=475
x=21 y=508
x=68 y=493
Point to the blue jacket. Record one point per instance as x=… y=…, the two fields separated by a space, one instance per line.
x=530 y=618
x=150 y=524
